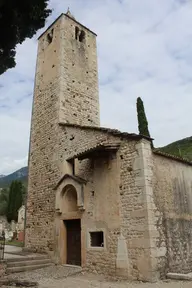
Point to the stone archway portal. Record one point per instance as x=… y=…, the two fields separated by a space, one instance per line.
x=72 y=227
x=69 y=206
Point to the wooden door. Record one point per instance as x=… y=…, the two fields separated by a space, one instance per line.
x=73 y=242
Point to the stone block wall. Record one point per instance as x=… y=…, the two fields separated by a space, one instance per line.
x=102 y=213
x=127 y=178
x=101 y=195
x=138 y=210
x=66 y=70
x=43 y=142
x=118 y=206
x=79 y=95
x=123 y=195
x=173 y=199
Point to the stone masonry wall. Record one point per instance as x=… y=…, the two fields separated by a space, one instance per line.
x=126 y=181
x=115 y=178
x=102 y=214
x=43 y=141
x=138 y=211
x=79 y=100
x=55 y=85
x=66 y=89
x=101 y=195
x=173 y=198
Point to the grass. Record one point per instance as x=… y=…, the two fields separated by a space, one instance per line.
x=14 y=243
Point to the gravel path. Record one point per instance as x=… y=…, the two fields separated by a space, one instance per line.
x=57 y=277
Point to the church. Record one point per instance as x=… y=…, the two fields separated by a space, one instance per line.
x=97 y=197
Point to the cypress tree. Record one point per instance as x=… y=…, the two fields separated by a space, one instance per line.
x=15 y=200
x=18 y=199
x=10 y=201
x=4 y=196
x=142 y=119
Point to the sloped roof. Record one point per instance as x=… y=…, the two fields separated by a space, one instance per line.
x=114 y=132
x=130 y=136
x=75 y=178
x=98 y=148
x=69 y=16
x=173 y=157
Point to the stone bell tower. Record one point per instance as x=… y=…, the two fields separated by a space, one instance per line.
x=66 y=90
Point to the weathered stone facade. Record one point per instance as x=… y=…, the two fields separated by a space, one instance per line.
x=173 y=198
x=111 y=182
x=66 y=69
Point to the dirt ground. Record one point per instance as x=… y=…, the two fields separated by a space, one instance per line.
x=57 y=277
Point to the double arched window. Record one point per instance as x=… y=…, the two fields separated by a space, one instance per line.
x=79 y=34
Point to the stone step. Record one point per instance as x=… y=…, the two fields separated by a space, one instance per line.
x=26 y=268
x=72 y=269
x=28 y=262
x=179 y=276
x=29 y=258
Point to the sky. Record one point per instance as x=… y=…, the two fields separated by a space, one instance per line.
x=144 y=50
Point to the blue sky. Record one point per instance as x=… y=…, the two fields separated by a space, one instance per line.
x=144 y=49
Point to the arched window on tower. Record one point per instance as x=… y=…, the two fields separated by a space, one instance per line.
x=79 y=35
x=50 y=36
x=76 y=33
x=82 y=36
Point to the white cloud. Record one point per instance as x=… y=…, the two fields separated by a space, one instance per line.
x=144 y=49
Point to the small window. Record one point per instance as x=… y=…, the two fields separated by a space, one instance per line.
x=82 y=36
x=76 y=32
x=50 y=36
x=97 y=239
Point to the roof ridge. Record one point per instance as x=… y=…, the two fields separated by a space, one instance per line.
x=108 y=130
x=172 y=156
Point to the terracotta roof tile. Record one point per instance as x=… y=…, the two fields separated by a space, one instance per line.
x=127 y=135
x=107 y=147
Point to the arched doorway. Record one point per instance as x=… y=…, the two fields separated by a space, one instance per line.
x=72 y=226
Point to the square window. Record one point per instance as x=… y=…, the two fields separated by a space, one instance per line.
x=96 y=239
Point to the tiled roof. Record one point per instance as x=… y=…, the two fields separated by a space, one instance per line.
x=87 y=153
x=173 y=157
x=113 y=132
x=132 y=136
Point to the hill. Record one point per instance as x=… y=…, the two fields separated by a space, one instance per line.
x=182 y=148
x=20 y=174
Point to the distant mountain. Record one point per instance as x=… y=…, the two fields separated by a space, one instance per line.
x=20 y=174
x=1 y=175
x=182 y=148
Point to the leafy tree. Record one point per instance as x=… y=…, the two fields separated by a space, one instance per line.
x=142 y=119
x=19 y=20
x=15 y=200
